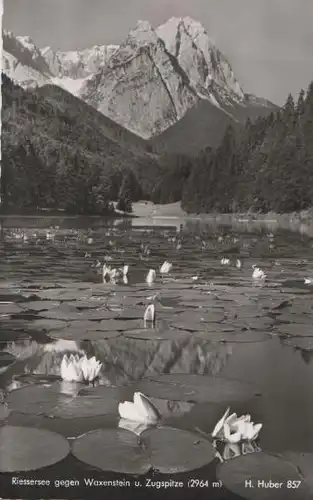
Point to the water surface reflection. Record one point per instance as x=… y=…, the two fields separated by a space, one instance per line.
x=212 y=319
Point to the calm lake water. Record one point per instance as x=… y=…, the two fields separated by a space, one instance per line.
x=212 y=320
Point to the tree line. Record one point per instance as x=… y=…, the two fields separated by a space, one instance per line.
x=57 y=154
x=56 y=158
x=266 y=166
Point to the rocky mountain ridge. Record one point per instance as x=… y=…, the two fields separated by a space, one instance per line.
x=148 y=84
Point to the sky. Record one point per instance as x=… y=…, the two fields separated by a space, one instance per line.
x=269 y=43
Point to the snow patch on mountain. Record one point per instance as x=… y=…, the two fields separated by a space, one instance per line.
x=72 y=85
x=22 y=74
x=78 y=64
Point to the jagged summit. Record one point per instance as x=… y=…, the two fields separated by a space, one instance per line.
x=142 y=34
x=142 y=26
x=205 y=65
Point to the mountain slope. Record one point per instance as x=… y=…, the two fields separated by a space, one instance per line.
x=23 y=62
x=205 y=124
x=30 y=67
x=266 y=166
x=58 y=152
x=142 y=86
x=207 y=68
x=173 y=86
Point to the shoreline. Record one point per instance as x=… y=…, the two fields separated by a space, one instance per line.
x=173 y=210
x=149 y=210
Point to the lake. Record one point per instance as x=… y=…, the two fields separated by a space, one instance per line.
x=221 y=339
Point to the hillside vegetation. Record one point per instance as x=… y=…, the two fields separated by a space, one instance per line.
x=59 y=153
x=267 y=166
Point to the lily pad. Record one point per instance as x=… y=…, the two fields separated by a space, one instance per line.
x=36 y=399
x=258 y=467
x=99 y=314
x=156 y=334
x=80 y=331
x=120 y=325
x=114 y=450
x=91 y=303
x=252 y=323
x=192 y=326
x=304 y=343
x=196 y=388
x=233 y=337
x=164 y=449
x=9 y=309
x=175 y=450
x=53 y=293
x=47 y=324
x=73 y=314
x=7 y=335
x=201 y=316
x=55 y=400
x=65 y=312
x=40 y=305
x=6 y=358
x=296 y=330
x=63 y=294
x=304 y=463
x=130 y=314
x=302 y=318
x=25 y=449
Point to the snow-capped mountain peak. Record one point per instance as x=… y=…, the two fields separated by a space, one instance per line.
x=206 y=66
x=142 y=34
x=27 y=42
x=146 y=84
x=22 y=61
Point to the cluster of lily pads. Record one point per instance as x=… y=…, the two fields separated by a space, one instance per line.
x=230 y=428
x=166 y=449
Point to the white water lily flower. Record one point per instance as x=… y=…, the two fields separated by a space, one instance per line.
x=135 y=427
x=225 y=262
x=233 y=429
x=70 y=369
x=156 y=296
x=231 y=450
x=166 y=267
x=140 y=410
x=151 y=276
x=76 y=369
x=258 y=273
x=108 y=274
x=308 y=281
x=90 y=368
x=238 y=263
x=220 y=424
x=149 y=316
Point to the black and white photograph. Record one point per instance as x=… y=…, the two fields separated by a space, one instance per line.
x=156 y=250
